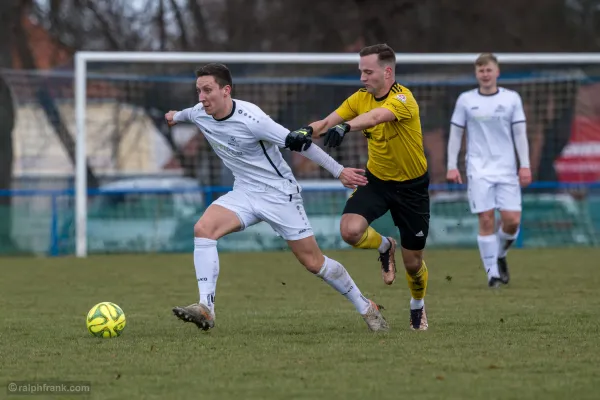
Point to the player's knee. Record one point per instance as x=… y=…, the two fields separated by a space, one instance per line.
x=486 y=223
x=351 y=233
x=205 y=230
x=351 y=236
x=510 y=225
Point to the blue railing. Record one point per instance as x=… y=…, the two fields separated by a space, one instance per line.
x=54 y=194
x=223 y=189
x=209 y=194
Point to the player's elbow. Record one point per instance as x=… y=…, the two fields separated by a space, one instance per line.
x=374 y=120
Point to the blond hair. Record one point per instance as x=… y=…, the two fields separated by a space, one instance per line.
x=485 y=58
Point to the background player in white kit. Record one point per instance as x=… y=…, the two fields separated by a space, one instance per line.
x=264 y=189
x=496 y=126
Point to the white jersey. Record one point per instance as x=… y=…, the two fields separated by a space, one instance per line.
x=248 y=142
x=488 y=120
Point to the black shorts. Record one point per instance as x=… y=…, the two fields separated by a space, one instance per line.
x=407 y=201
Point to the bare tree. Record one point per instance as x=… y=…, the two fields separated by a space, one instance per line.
x=45 y=99
x=327 y=25
x=115 y=25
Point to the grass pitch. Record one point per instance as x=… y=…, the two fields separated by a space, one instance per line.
x=283 y=334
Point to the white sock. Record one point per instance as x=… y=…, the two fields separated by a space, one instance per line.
x=488 y=249
x=338 y=278
x=416 y=304
x=505 y=240
x=206 y=262
x=385 y=245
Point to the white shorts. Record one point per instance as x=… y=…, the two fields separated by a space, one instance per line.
x=494 y=193
x=285 y=214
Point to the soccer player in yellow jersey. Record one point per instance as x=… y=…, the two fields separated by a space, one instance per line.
x=388 y=115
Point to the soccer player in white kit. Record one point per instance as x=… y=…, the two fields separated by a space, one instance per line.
x=264 y=189
x=495 y=122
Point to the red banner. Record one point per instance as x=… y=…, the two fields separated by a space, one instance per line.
x=580 y=159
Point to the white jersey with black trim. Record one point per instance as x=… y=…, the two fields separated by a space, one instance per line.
x=248 y=142
x=488 y=120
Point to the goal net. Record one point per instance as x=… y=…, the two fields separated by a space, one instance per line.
x=147 y=183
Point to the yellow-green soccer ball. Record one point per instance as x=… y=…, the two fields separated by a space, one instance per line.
x=105 y=320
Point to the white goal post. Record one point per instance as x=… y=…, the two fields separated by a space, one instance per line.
x=83 y=58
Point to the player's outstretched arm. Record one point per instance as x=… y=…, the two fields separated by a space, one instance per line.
x=333 y=127
x=350 y=177
x=335 y=135
x=170 y=117
x=321 y=126
x=173 y=117
x=372 y=118
x=300 y=140
x=353 y=177
x=454 y=145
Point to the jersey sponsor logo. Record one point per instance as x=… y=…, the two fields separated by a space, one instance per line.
x=222 y=147
x=401 y=97
x=500 y=108
x=487 y=118
x=232 y=142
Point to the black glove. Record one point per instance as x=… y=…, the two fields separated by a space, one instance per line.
x=295 y=140
x=335 y=135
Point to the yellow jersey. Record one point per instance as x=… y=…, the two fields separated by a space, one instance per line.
x=395 y=148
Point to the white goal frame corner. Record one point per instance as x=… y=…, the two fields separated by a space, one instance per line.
x=83 y=58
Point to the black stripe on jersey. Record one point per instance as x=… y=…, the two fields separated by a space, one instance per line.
x=461 y=127
x=395 y=89
x=518 y=122
x=362 y=90
x=488 y=94
x=405 y=106
x=262 y=145
x=348 y=104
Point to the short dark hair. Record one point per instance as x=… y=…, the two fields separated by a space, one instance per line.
x=220 y=72
x=486 y=58
x=384 y=53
